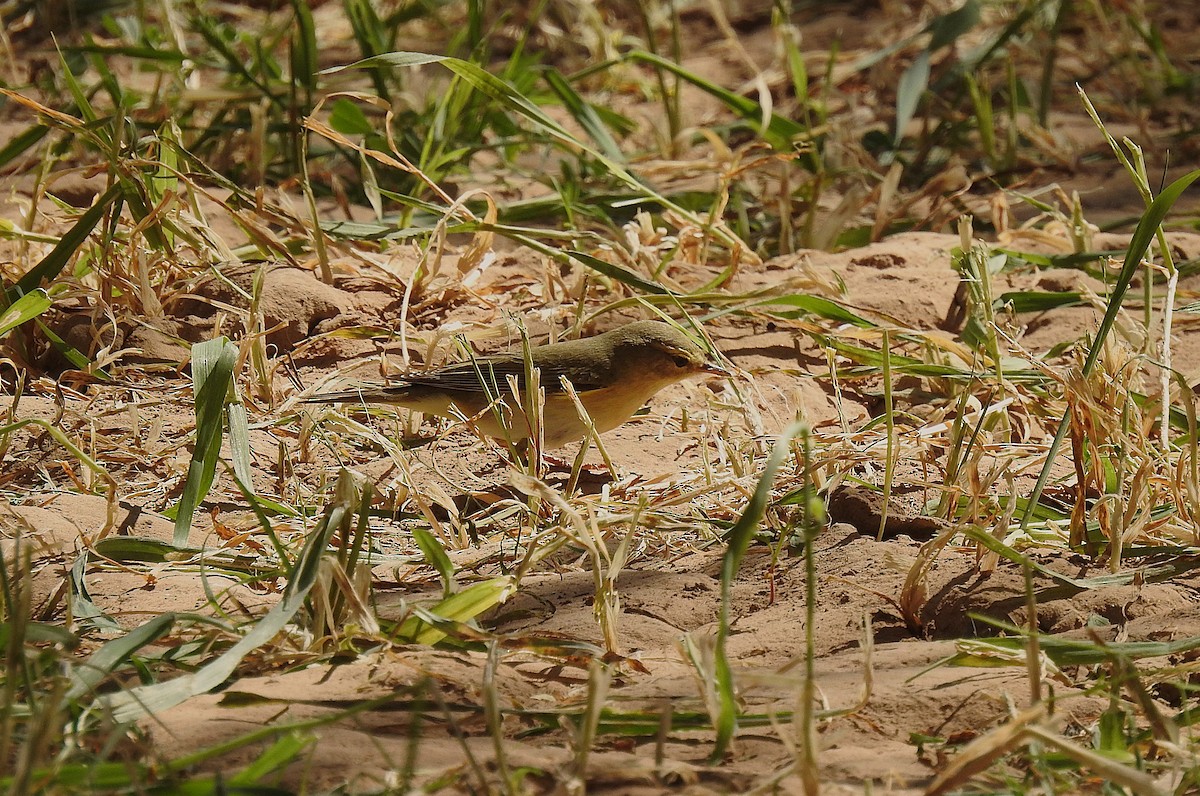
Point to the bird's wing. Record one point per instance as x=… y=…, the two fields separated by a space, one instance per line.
x=494 y=371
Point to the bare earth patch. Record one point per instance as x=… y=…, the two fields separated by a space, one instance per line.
x=597 y=667
x=669 y=588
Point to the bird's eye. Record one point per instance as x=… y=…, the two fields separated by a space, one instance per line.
x=681 y=362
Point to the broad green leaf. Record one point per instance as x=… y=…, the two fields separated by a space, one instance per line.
x=347 y=118
x=212 y=372
x=87 y=675
x=460 y=607
x=909 y=91
x=24 y=309
x=435 y=556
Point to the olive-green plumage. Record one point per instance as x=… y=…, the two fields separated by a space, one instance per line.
x=614 y=374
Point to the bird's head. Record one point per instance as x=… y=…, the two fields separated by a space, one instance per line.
x=652 y=350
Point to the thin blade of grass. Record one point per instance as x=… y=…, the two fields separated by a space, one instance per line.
x=239 y=441
x=506 y=94
x=583 y=113
x=435 y=556
x=1062 y=651
x=779 y=131
x=273 y=758
x=140 y=548
x=1039 y=301
x=1139 y=244
x=70 y=353
x=815 y=305
x=909 y=91
x=22 y=142
x=54 y=262
x=85 y=612
x=147 y=700
x=140 y=52
x=737 y=542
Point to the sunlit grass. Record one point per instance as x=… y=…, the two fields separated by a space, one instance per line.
x=239 y=118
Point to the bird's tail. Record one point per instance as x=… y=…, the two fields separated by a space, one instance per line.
x=367 y=394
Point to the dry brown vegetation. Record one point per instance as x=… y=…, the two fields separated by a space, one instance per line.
x=939 y=534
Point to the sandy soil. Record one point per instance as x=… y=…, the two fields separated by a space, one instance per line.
x=669 y=587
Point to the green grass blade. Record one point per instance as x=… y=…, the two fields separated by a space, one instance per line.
x=815 y=305
x=124 y=776
x=209 y=31
x=139 y=52
x=460 y=607
x=479 y=79
x=1139 y=244
x=24 y=141
x=611 y=270
x=1065 y=651
x=737 y=542
x=70 y=353
x=435 y=556
x=146 y=700
x=507 y=95
x=82 y=104
x=89 y=674
x=348 y=119
x=909 y=91
x=779 y=131
x=212 y=371
x=53 y=263
x=273 y=758
x=583 y=113
x=23 y=310
x=139 y=548
x=1038 y=300
x=304 y=47
x=369 y=34
x=239 y=441
x=86 y=613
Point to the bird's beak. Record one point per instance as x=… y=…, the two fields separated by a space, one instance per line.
x=716 y=369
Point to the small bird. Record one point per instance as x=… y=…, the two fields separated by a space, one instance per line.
x=613 y=373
